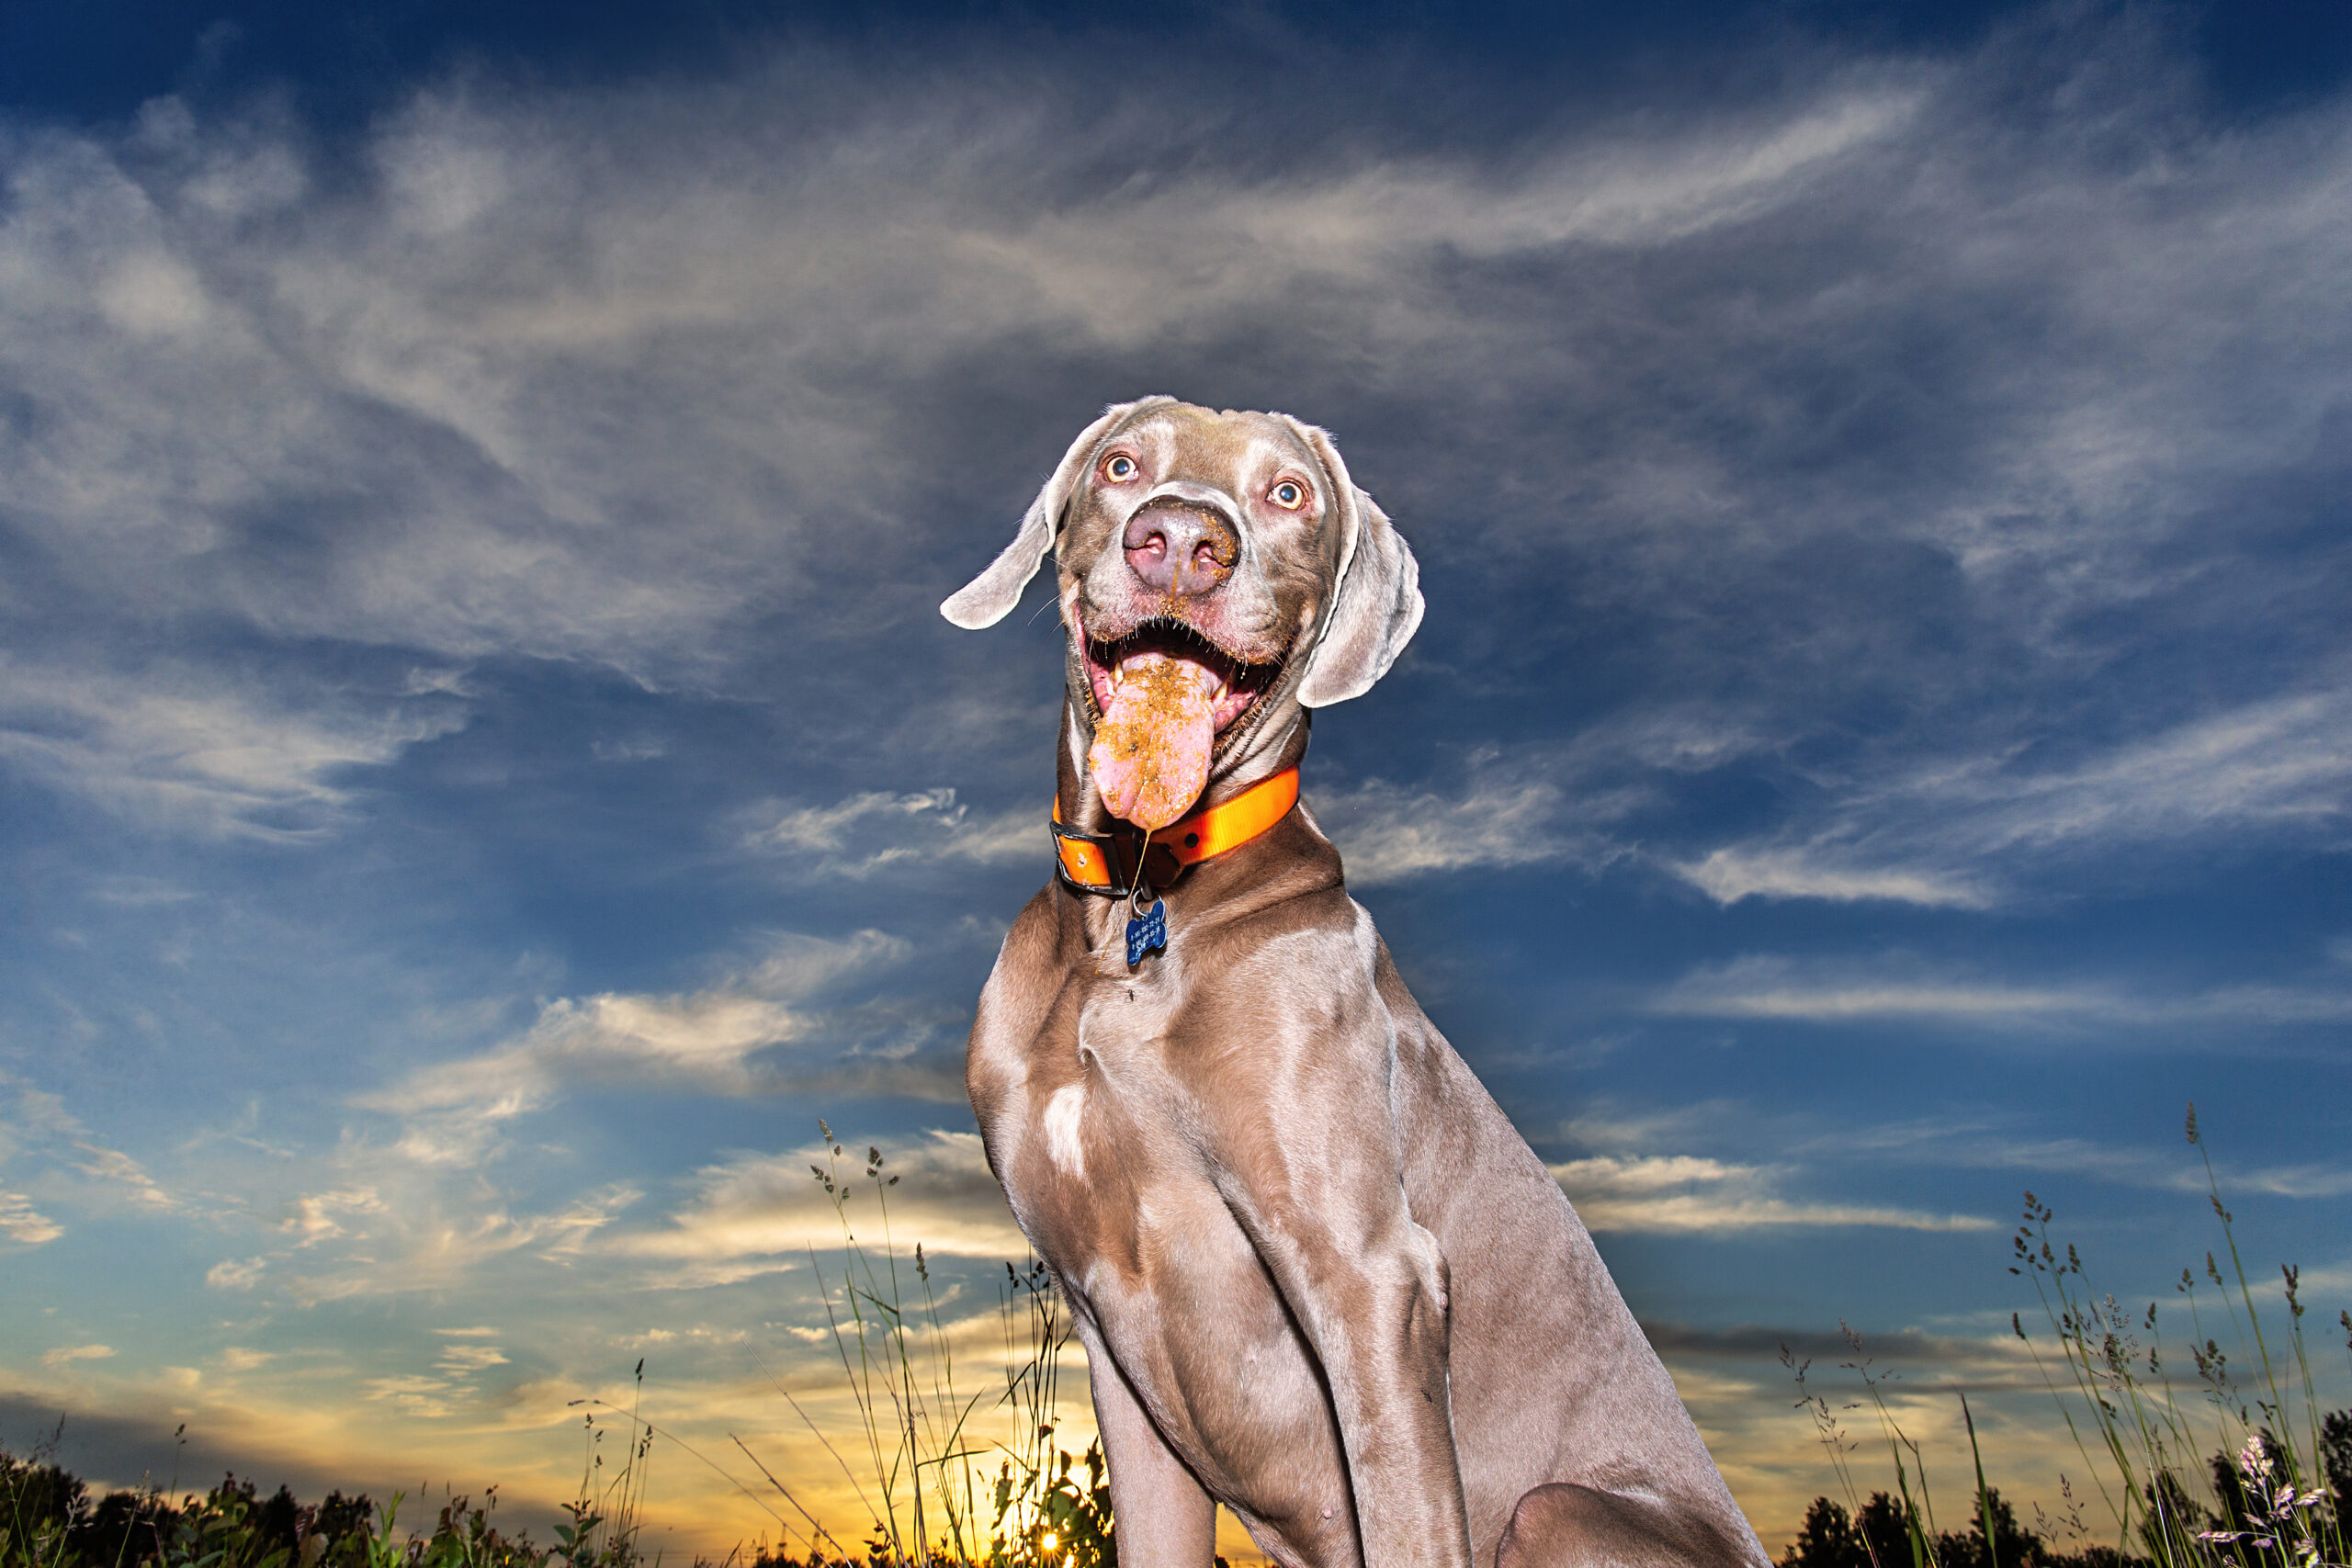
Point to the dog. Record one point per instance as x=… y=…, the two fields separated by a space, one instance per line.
x=1320 y=1278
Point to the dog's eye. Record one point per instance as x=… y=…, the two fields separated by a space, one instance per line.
x=1118 y=468
x=1288 y=494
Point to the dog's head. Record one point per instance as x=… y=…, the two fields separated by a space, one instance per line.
x=1218 y=572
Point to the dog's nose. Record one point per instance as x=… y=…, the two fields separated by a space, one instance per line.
x=1180 y=549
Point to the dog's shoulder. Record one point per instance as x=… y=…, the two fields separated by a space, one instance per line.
x=1300 y=977
x=1320 y=928
x=1014 y=1004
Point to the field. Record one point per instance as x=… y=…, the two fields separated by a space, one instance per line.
x=2232 y=1464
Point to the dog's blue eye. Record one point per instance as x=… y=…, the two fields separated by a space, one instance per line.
x=1120 y=468
x=1289 y=494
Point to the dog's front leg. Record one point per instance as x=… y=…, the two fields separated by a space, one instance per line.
x=1311 y=1165
x=1376 y=1312
x=1165 y=1520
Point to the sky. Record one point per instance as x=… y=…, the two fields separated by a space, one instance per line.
x=481 y=772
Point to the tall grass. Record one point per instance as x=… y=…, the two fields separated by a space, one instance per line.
x=922 y=1474
x=2230 y=1470
x=917 y=1457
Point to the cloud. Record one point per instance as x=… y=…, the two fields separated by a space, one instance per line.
x=1107 y=273
x=1727 y=876
x=1941 y=833
x=2007 y=1143
x=1575 y=803
x=1556 y=807
x=231 y=1274
x=875 y=829
x=2282 y=761
x=66 y=1355
x=314 y=1216
x=734 y=1038
x=1682 y=1193
x=440 y=1241
x=464 y=1359
x=1910 y=1345
x=24 y=1225
x=420 y=1211
x=1868 y=410
x=189 y=750
x=114 y=1165
x=756 y=1213
x=412 y=1394
x=1767 y=987
x=1389 y=834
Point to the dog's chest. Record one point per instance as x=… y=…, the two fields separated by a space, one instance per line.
x=1094 y=1152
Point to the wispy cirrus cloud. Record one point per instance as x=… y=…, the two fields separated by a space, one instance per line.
x=1727 y=876
x=735 y=1037
x=115 y=1167
x=199 y=750
x=874 y=830
x=1949 y=833
x=1900 y=986
x=1389 y=833
x=439 y=1239
x=426 y=403
x=1685 y=1193
x=759 y=1213
x=1985 y=1141
x=1564 y=806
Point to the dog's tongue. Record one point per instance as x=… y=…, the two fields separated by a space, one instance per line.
x=1151 y=752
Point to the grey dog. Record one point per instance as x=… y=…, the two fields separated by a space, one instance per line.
x=1319 y=1277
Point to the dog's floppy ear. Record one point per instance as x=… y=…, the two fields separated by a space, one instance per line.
x=1376 y=597
x=989 y=597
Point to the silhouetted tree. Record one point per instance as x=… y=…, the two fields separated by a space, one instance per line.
x=1828 y=1539
x=1885 y=1524
x=2335 y=1458
x=124 y=1527
x=41 y=1495
x=2014 y=1545
x=340 y=1516
x=1880 y=1537
x=2171 y=1506
x=278 y=1520
x=2094 y=1557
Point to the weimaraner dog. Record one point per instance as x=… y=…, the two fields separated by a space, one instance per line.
x=1319 y=1277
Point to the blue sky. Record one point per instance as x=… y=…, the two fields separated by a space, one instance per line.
x=480 y=771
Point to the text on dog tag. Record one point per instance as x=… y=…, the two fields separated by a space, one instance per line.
x=1146 y=932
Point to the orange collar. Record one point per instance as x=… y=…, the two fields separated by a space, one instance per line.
x=1088 y=860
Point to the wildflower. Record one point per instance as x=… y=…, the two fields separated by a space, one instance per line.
x=2276 y=1511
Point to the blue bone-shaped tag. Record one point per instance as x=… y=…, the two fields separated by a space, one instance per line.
x=1148 y=932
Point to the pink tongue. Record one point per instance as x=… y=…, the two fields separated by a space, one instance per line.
x=1152 y=750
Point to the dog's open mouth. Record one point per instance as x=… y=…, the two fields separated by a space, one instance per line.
x=1161 y=696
